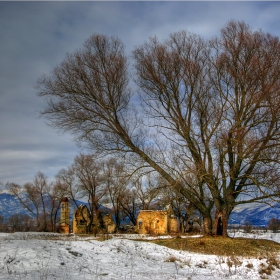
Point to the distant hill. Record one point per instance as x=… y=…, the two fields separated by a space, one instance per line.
x=255 y=213
x=10 y=205
x=258 y=214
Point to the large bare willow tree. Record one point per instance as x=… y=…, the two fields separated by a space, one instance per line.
x=213 y=105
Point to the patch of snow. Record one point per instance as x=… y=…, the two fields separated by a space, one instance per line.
x=55 y=256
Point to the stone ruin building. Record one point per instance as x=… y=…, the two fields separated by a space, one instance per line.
x=148 y=221
x=157 y=222
x=81 y=221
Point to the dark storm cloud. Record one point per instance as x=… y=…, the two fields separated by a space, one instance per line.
x=35 y=36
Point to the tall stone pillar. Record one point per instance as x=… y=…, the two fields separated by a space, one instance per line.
x=64 y=216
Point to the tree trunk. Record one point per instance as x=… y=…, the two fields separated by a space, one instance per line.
x=221 y=222
x=218 y=224
x=225 y=225
x=207 y=225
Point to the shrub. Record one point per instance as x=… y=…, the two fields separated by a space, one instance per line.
x=172 y=258
x=272 y=262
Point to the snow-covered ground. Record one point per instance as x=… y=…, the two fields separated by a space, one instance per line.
x=53 y=256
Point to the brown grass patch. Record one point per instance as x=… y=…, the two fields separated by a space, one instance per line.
x=222 y=246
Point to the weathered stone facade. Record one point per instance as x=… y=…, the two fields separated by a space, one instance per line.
x=64 y=226
x=81 y=221
x=109 y=224
x=156 y=222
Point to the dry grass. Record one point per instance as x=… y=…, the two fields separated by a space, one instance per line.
x=222 y=246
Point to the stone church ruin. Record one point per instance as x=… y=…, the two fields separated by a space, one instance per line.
x=82 y=221
x=148 y=221
x=157 y=222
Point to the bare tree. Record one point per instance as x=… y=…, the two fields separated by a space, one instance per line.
x=42 y=188
x=2 y=224
x=130 y=204
x=215 y=103
x=67 y=180
x=88 y=171
x=34 y=196
x=19 y=222
x=28 y=196
x=57 y=192
x=245 y=80
x=115 y=181
x=274 y=224
x=88 y=95
x=147 y=189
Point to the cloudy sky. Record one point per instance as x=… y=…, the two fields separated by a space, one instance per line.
x=35 y=36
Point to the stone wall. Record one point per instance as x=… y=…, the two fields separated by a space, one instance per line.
x=81 y=220
x=64 y=226
x=109 y=224
x=152 y=222
x=173 y=225
x=156 y=222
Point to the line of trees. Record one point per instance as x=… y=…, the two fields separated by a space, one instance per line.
x=41 y=199
x=17 y=222
x=98 y=183
x=202 y=114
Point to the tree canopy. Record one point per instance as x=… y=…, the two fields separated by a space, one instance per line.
x=207 y=118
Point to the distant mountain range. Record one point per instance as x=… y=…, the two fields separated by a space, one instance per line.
x=257 y=214
x=9 y=205
x=254 y=213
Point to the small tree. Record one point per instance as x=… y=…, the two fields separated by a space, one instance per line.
x=274 y=224
x=115 y=181
x=35 y=197
x=248 y=227
x=29 y=198
x=89 y=176
x=148 y=190
x=57 y=192
x=84 y=180
x=130 y=204
x=2 y=223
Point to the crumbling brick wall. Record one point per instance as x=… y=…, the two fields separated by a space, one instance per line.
x=81 y=220
x=64 y=226
x=152 y=222
x=156 y=222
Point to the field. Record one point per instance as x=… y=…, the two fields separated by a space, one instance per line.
x=54 y=256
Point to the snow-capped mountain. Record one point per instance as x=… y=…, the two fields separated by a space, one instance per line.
x=10 y=205
x=256 y=214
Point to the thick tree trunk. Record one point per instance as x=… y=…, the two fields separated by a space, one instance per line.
x=221 y=222
x=225 y=226
x=218 y=224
